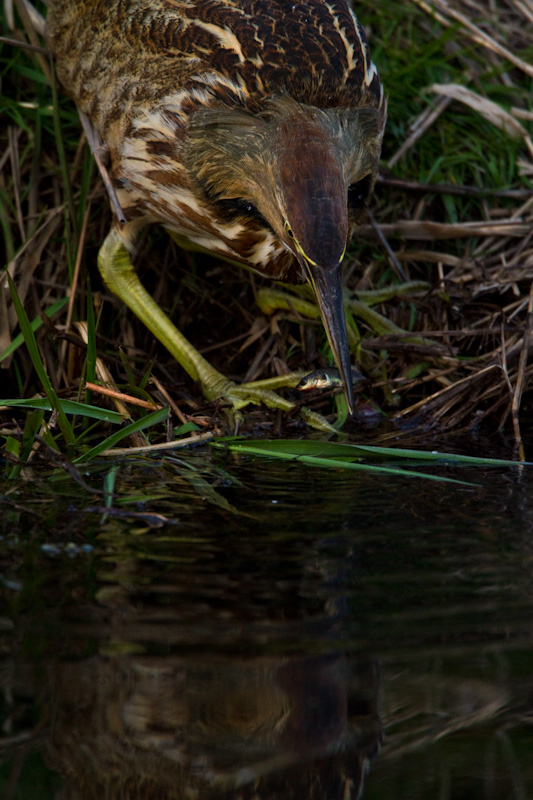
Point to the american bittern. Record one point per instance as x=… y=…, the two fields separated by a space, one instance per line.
x=248 y=128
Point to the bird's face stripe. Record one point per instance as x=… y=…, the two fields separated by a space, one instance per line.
x=265 y=249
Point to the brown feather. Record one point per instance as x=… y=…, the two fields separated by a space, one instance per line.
x=205 y=101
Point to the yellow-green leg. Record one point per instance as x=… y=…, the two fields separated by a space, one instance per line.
x=119 y=274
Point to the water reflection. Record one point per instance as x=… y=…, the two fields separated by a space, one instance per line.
x=133 y=727
x=329 y=627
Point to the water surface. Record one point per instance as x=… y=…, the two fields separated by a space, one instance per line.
x=253 y=630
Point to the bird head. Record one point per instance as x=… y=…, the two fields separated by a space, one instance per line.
x=306 y=172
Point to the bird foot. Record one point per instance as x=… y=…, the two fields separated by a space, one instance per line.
x=216 y=387
x=118 y=273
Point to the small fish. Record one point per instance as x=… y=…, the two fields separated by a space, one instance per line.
x=328 y=378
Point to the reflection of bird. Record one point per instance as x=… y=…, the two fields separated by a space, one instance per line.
x=249 y=128
x=222 y=727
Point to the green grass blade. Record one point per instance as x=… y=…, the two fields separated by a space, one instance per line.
x=154 y=418
x=435 y=456
x=32 y=426
x=91 y=338
x=35 y=325
x=205 y=490
x=22 y=451
x=33 y=350
x=187 y=427
x=63 y=165
x=72 y=407
x=6 y=228
x=342 y=411
x=110 y=480
x=331 y=463
x=12 y=448
x=325 y=450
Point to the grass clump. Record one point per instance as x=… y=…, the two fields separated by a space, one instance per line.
x=438 y=285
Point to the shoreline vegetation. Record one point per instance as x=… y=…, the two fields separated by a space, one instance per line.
x=439 y=289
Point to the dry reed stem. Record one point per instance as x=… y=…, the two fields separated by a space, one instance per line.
x=478 y=314
x=122 y=396
x=520 y=379
x=476 y=34
x=178 y=444
x=492 y=112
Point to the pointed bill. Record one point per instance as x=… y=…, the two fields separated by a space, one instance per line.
x=328 y=290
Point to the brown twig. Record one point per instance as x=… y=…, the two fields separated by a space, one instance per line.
x=124 y=398
x=520 y=378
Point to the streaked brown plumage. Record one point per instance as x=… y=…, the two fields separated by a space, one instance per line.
x=249 y=128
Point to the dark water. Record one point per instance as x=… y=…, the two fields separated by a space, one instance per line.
x=276 y=631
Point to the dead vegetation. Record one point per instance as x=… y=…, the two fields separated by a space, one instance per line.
x=439 y=280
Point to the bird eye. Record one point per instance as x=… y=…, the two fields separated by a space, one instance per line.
x=358 y=193
x=238 y=208
x=241 y=206
x=290 y=234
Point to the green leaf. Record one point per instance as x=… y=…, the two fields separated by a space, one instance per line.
x=109 y=488
x=187 y=427
x=35 y=324
x=209 y=493
x=72 y=407
x=353 y=457
x=12 y=447
x=91 y=336
x=342 y=411
x=327 y=450
x=332 y=463
x=33 y=350
x=32 y=426
x=145 y=422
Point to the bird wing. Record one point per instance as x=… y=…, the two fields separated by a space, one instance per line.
x=113 y=55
